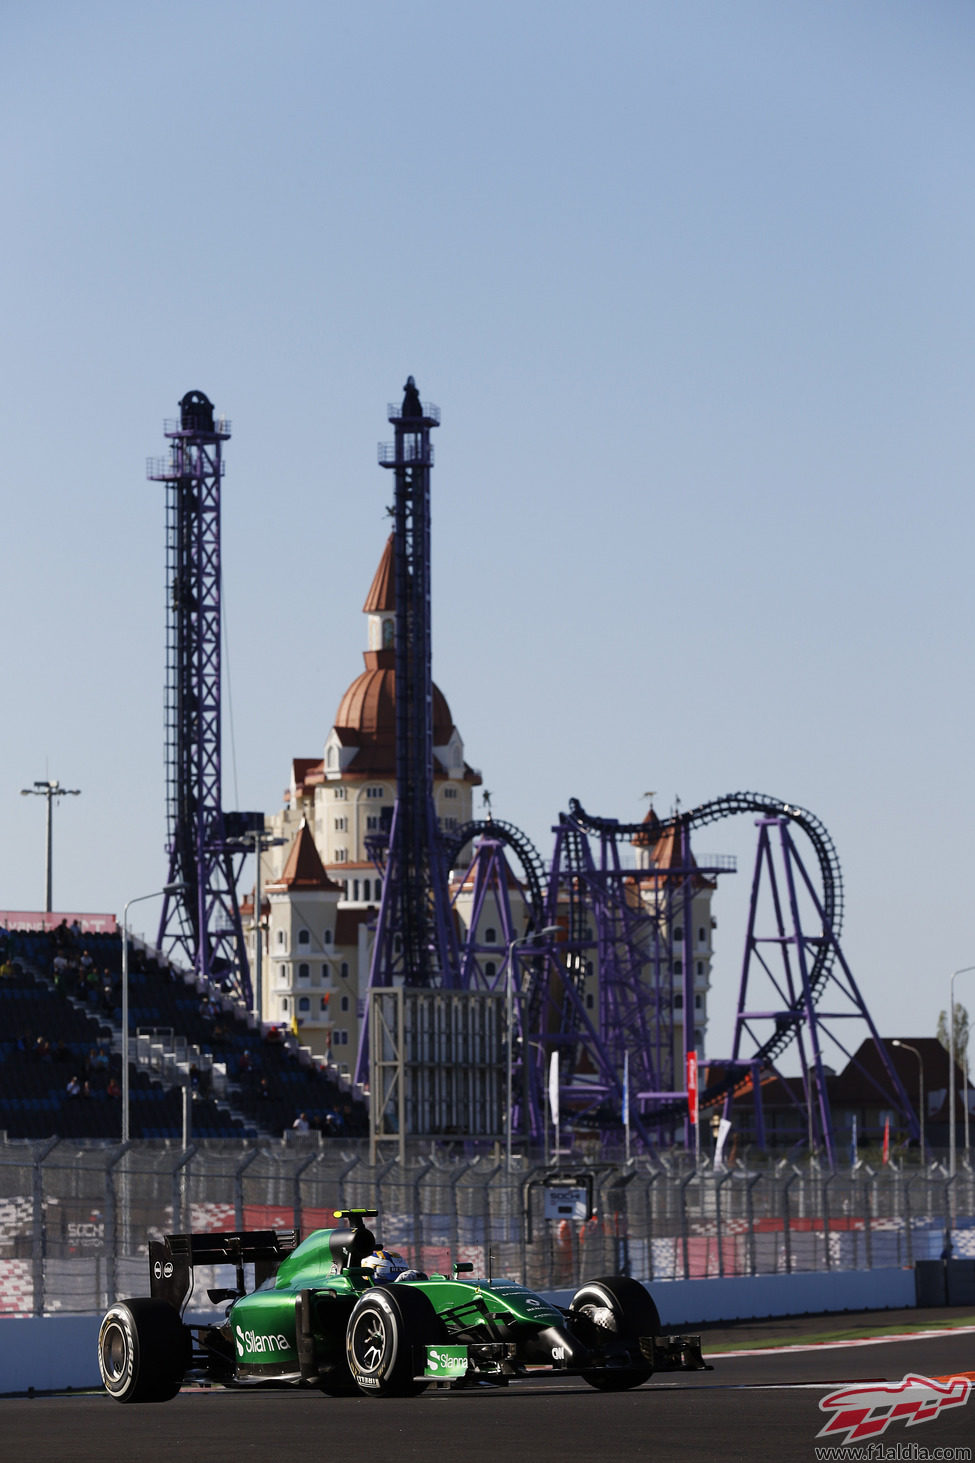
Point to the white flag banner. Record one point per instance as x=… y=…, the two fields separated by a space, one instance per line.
x=553 y=1087
x=724 y=1128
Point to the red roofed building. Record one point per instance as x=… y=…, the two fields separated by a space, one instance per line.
x=686 y=928
x=332 y=805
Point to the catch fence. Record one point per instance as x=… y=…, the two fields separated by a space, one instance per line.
x=75 y=1218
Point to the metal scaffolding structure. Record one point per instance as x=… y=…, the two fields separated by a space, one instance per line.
x=415 y=942
x=200 y=921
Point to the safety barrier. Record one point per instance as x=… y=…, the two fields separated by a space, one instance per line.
x=74 y=1217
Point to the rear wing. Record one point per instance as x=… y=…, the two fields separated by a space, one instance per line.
x=173 y=1258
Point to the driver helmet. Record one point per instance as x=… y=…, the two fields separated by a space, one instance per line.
x=384 y=1266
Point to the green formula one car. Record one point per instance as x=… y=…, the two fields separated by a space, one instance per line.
x=340 y=1313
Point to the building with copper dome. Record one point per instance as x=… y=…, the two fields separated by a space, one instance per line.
x=321 y=887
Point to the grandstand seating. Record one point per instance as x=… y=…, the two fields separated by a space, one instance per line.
x=67 y=990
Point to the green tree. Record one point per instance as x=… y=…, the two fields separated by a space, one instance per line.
x=962 y=1028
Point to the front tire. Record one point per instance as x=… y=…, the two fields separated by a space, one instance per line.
x=386 y=1330
x=612 y=1313
x=143 y=1351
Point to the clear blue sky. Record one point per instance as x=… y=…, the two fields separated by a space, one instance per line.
x=692 y=286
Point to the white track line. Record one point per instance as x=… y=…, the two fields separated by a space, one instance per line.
x=852 y=1341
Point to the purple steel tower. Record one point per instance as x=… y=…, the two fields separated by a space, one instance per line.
x=795 y=986
x=201 y=920
x=415 y=940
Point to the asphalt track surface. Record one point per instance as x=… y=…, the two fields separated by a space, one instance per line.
x=751 y=1406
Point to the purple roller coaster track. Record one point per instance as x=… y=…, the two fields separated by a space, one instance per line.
x=598 y=918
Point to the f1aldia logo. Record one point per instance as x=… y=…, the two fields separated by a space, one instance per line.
x=867 y=1411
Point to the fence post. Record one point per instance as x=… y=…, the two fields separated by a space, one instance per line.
x=718 y=1183
x=682 y=1191
x=353 y=1162
x=419 y=1237
x=111 y=1215
x=245 y=1163
x=824 y=1192
x=786 y=1219
x=179 y=1188
x=38 y=1226
x=868 y=1180
x=298 y=1207
x=648 y=1220
x=750 y=1220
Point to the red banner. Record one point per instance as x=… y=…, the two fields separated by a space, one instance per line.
x=34 y=921
x=692 y=1086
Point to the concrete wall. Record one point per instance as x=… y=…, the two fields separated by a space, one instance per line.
x=686 y=1303
x=57 y=1352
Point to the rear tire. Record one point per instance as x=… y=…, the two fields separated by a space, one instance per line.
x=614 y=1312
x=143 y=1351
x=386 y=1330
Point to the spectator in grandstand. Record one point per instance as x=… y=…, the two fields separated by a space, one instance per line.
x=73 y=1088
x=112 y=1088
x=301 y=1124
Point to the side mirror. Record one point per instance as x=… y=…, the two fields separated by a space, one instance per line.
x=462 y=1267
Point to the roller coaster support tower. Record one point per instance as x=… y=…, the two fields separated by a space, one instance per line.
x=795 y=985
x=415 y=941
x=201 y=921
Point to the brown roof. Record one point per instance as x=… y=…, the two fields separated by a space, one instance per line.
x=669 y=845
x=306 y=771
x=382 y=591
x=304 y=869
x=367 y=711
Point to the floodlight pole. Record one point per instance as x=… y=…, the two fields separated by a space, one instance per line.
x=951 y=1066
x=167 y=889
x=514 y=945
x=920 y=1066
x=49 y=790
x=258 y=841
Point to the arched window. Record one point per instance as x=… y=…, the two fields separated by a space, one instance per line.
x=345 y=1003
x=490 y=936
x=328 y=937
x=303 y=971
x=490 y=968
x=304 y=1004
x=304 y=937
x=345 y=970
